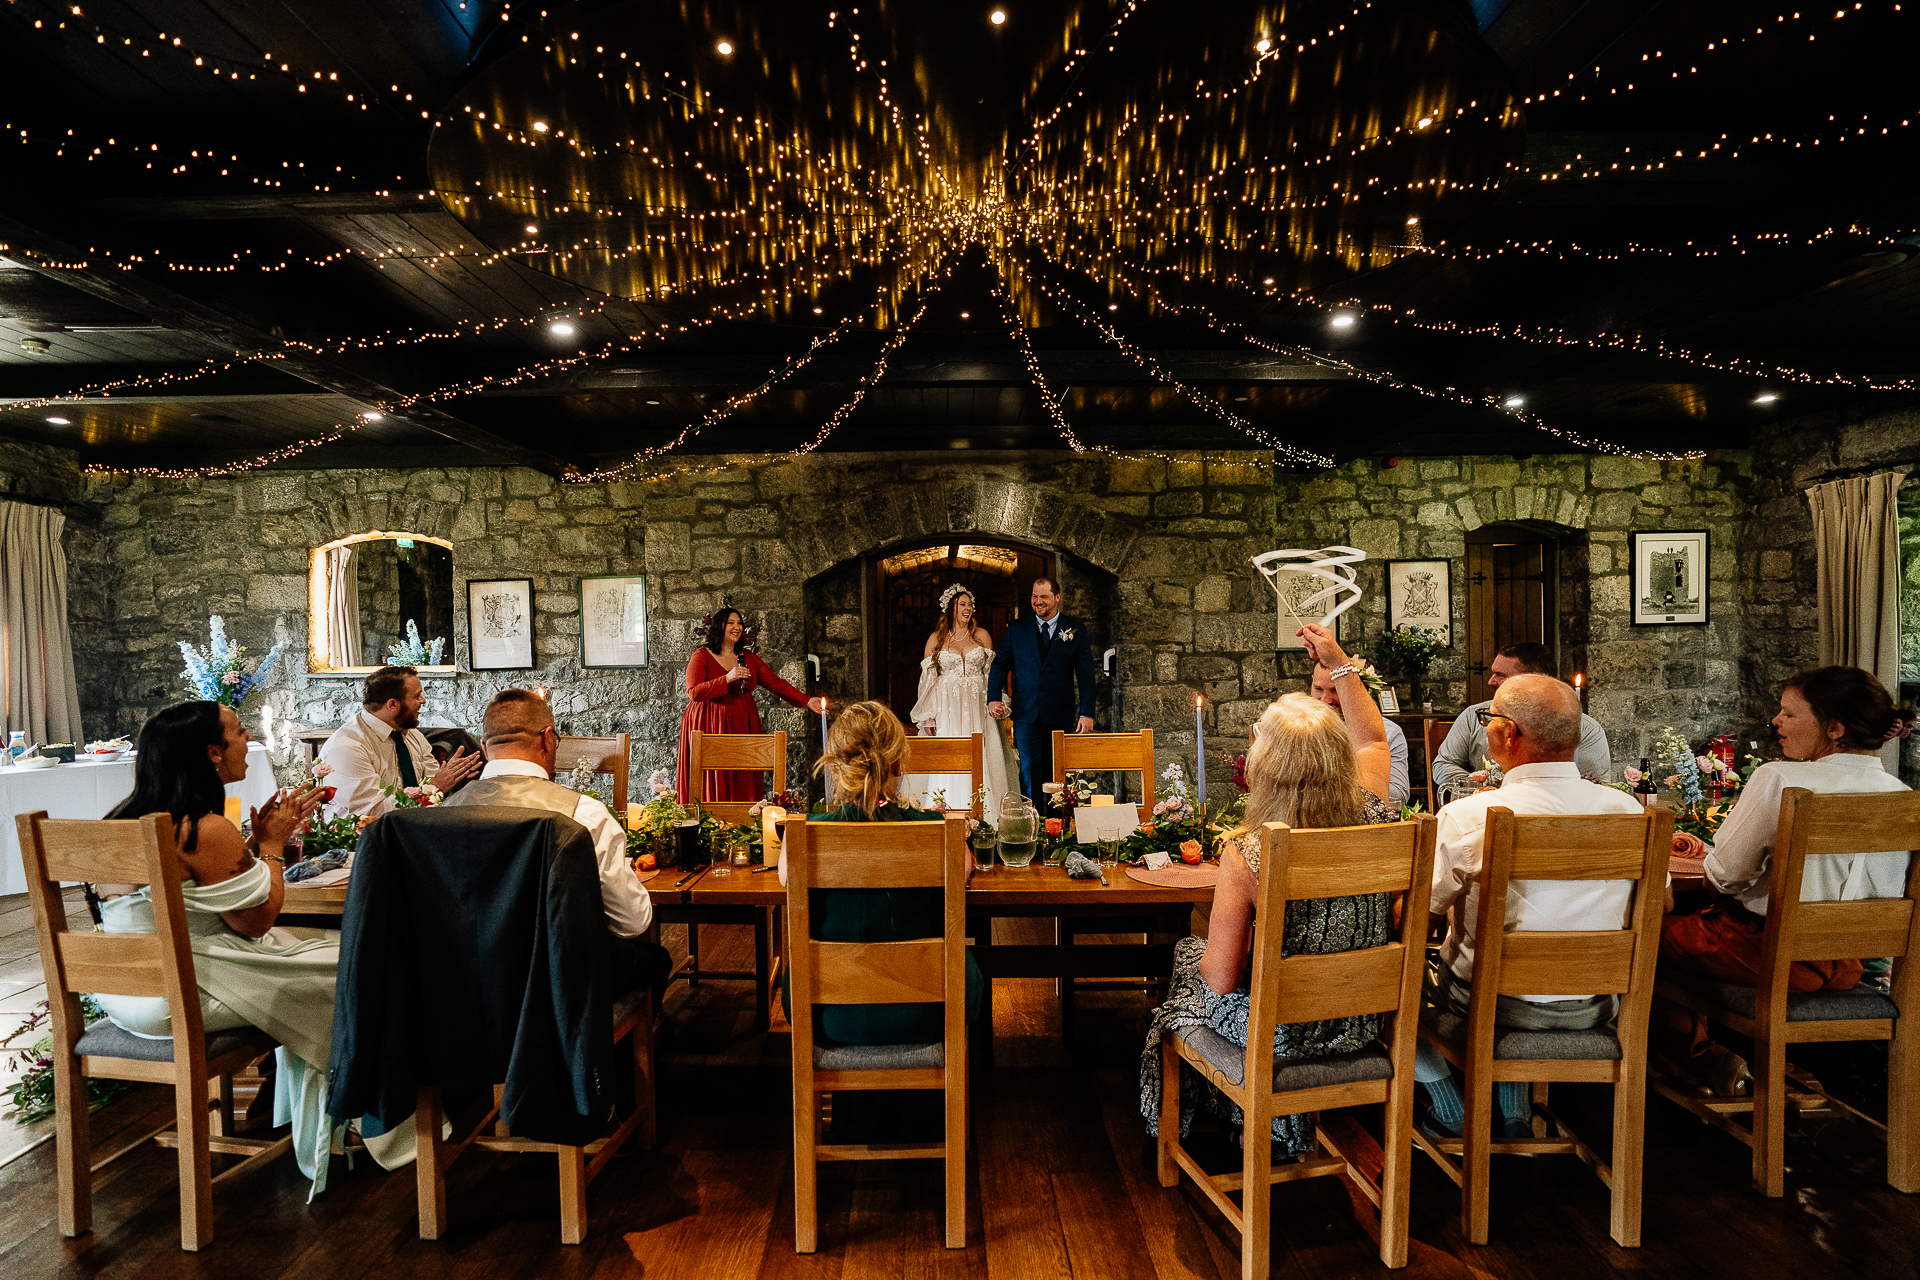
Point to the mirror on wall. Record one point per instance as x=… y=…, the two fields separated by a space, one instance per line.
x=363 y=592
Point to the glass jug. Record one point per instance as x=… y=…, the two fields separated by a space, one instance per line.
x=1019 y=831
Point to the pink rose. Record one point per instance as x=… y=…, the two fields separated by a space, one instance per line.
x=1707 y=764
x=232 y=677
x=1632 y=774
x=321 y=769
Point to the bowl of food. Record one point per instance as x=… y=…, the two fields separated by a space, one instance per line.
x=108 y=749
x=35 y=762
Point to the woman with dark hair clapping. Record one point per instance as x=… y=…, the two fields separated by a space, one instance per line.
x=249 y=972
x=1832 y=724
x=721 y=677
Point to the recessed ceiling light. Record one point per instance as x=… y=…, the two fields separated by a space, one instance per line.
x=61 y=422
x=725 y=48
x=1268 y=280
x=1343 y=320
x=532 y=229
x=1263 y=44
x=1239 y=399
x=539 y=126
x=653 y=402
x=998 y=17
x=1514 y=402
x=1766 y=397
x=561 y=328
x=373 y=415
x=1413 y=222
x=1113 y=306
x=34 y=346
x=1425 y=121
x=963 y=315
x=818 y=310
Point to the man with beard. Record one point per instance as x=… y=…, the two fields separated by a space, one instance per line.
x=383 y=743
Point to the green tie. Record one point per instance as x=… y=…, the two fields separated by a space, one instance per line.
x=408 y=778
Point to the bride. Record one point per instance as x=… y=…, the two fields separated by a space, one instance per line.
x=953 y=703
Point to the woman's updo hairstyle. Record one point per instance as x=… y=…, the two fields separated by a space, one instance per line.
x=863 y=756
x=1856 y=701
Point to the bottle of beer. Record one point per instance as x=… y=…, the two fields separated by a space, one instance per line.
x=1645 y=788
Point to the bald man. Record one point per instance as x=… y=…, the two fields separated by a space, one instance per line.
x=1398 y=788
x=1533 y=727
x=521 y=741
x=1458 y=761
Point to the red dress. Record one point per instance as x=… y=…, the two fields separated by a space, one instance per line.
x=714 y=705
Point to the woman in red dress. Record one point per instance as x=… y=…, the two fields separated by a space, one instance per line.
x=721 y=678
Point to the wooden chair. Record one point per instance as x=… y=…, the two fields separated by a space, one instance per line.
x=709 y=753
x=1336 y=862
x=717 y=752
x=1101 y=752
x=1435 y=733
x=610 y=753
x=1605 y=961
x=948 y=755
x=632 y=1022
x=1079 y=753
x=877 y=855
x=1774 y=1017
x=134 y=851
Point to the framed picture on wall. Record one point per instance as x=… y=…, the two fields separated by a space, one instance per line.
x=1298 y=587
x=500 y=624
x=1420 y=594
x=1669 y=578
x=613 y=621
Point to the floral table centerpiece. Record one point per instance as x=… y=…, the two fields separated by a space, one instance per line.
x=412 y=653
x=1411 y=650
x=219 y=672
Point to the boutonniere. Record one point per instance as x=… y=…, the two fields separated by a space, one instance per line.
x=1067 y=634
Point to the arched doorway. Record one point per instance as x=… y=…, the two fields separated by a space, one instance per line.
x=904 y=585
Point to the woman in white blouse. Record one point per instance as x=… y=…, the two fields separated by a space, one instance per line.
x=1832 y=725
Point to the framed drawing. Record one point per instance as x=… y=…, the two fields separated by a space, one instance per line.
x=1420 y=594
x=1298 y=586
x=1669 y=578
x=613 y=621
x=500 y=624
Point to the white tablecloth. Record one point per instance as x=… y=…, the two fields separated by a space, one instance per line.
x=84 y=789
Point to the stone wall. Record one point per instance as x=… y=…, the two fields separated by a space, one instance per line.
x=1154 y=555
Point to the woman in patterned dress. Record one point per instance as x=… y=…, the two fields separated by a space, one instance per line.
x=1310 y=766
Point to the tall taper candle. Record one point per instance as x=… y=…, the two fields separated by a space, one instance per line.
x=1200 y=750
x=823 y=724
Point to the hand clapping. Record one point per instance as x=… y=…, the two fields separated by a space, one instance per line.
x=285 y=815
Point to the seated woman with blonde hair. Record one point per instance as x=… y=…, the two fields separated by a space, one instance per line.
x=865 y=750
x=1310 y=766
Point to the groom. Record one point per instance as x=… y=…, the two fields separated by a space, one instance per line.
x=1045 y=652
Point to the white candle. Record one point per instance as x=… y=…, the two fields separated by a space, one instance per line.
x=770 y=833
x=823 y=724
x=1200 y=749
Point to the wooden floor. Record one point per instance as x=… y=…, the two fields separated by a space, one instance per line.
x=1061 y=1186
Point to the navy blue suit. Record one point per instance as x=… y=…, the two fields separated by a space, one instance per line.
x=1044 y=699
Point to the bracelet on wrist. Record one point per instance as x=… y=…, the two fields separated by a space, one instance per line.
x=1344 y=669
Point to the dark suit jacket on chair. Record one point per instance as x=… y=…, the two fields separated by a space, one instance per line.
x=1044 y=674
x=474 y=952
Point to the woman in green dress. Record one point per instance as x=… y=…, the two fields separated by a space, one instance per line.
x=864 y=752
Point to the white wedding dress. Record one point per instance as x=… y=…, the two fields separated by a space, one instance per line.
x=953 y=698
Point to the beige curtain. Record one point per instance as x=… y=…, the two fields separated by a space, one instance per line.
x=43 y=699
x=1856 y=540
x=343 y=608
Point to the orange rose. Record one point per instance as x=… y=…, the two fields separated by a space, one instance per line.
x=1191 y=853
x=1688 y=845
x=645 y=862
x=1055 y=826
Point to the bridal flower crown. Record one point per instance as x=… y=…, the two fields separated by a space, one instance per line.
x=946 y=597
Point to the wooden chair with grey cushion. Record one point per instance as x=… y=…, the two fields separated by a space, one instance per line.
x=1775 y=1017
x=133 y=851
x=1097 y=753
x=1529 y=962
x=877 y=855
x=1295 y=866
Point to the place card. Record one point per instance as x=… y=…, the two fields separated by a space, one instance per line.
x=1155 y=861
x=1108 y=822
x=1101 y=802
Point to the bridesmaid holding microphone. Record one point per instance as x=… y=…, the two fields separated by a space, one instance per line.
x=721 y=677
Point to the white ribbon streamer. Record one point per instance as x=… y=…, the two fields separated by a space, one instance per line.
x=1334 y=564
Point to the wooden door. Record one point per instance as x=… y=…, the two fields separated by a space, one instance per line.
x=1510 y=598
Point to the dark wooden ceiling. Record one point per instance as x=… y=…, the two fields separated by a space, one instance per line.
x=228 y=227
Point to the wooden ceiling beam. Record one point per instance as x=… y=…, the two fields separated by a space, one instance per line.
x=177 y=311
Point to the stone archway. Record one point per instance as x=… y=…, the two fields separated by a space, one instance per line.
x=825 y=529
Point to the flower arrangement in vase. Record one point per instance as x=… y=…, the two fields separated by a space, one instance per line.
x=1410 y=651
x=412 y=653
x=219 y=672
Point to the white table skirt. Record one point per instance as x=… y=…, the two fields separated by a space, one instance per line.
x=85 y=789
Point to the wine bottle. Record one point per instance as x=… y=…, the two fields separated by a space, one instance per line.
x=1645 y=788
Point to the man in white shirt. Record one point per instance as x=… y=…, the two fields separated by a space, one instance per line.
x=1398 y=788
x=1458 y=762
x=1533 y=731
x=383 y=743
x=521 y=743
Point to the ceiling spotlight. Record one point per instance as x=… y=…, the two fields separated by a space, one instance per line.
x=539 y=126
x=1343 y=320
x=998 y=17
x=1425 y=121
x=964 y=315
x=653 y=402
x=561 y=328
x=373 y=415
x=61 y=422
x=1514 y=402
x=1113 y=306
x=724 y=48
x=34 y=346
x=532 y=229
x=1766 y=397
x=1268 y=280
x=1263 y=44
x=818 y=310
x=1412 y=222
